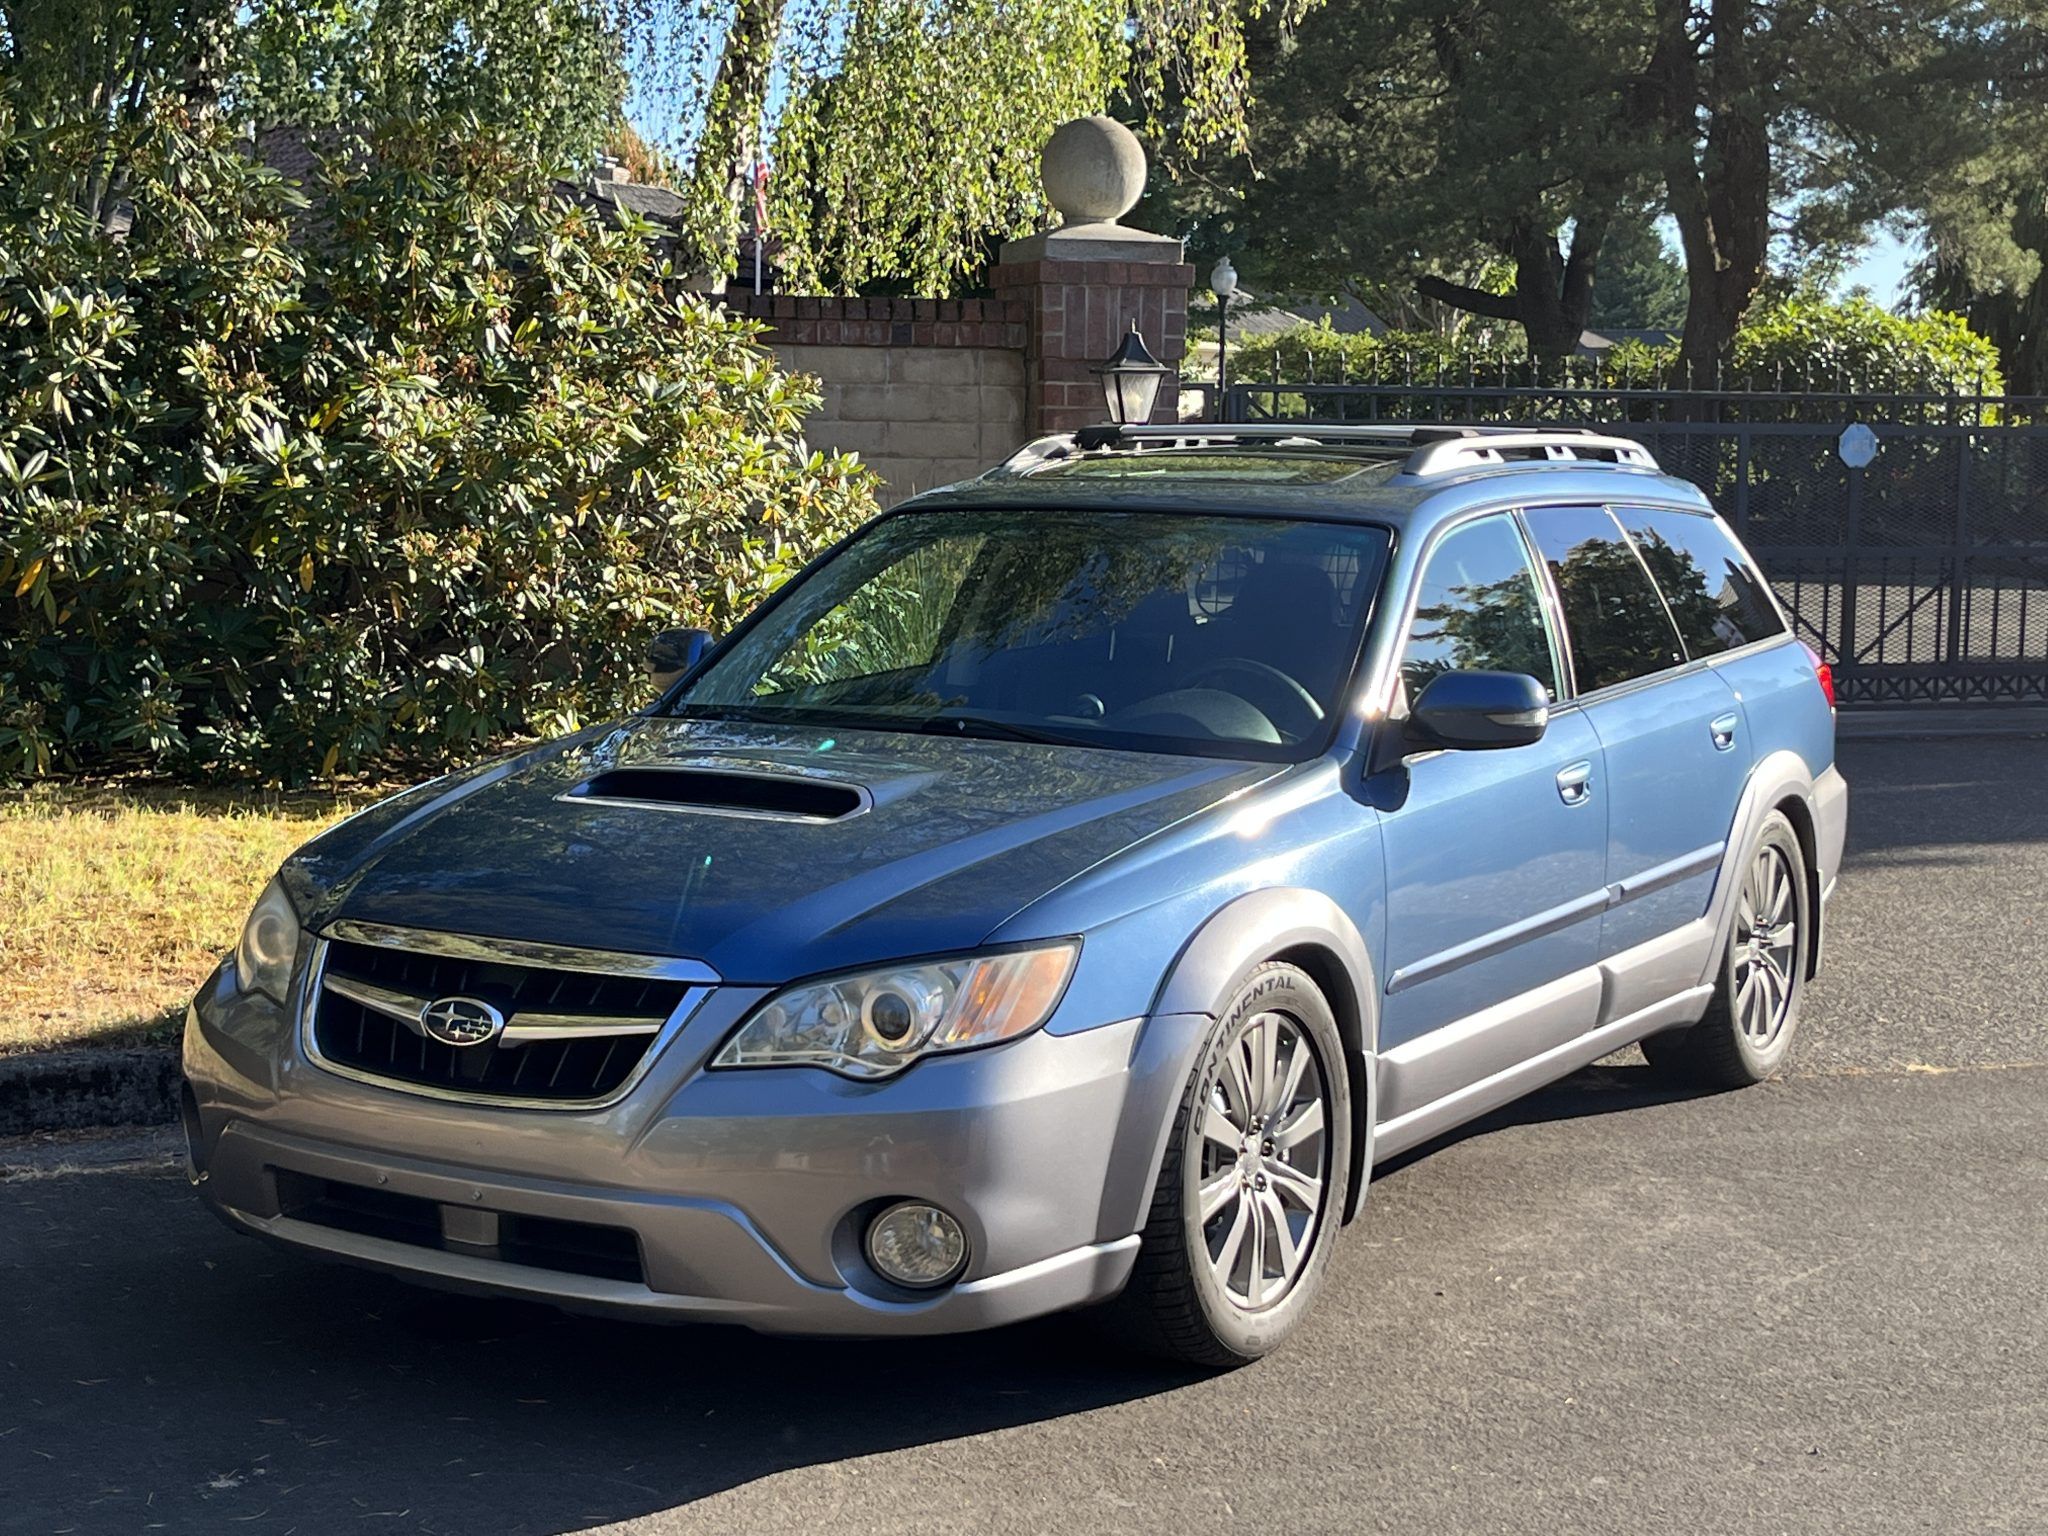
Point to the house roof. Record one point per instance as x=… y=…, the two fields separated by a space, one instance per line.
x=1268 y=316
x=660 y=204
x=1591 y=342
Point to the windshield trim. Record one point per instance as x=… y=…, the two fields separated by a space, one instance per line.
x=671 y=706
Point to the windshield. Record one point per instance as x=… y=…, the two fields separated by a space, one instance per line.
x=1220 y=636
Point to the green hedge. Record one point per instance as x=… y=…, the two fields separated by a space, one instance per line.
x=1794 y=346
x=292 y=491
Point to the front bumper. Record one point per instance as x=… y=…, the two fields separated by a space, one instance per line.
x=744 y=1193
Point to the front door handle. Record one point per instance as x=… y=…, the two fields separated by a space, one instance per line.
x=1723 y=729
x=1575 y=783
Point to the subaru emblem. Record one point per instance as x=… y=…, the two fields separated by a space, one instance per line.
x=461 y=1021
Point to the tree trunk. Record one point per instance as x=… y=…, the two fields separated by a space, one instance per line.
x=1553 y=294
x=1718 y=185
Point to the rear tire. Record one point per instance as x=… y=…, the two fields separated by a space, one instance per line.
x=1748 y=1026
x=1252 y=1187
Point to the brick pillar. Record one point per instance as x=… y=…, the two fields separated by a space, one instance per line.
x=1078 y=308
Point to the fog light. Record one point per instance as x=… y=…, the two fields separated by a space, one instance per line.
x=917 y=1245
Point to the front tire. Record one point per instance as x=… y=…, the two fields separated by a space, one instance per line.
x=1252 y=1187
x=1748 y=1026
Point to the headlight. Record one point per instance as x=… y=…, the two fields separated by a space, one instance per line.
x=269 y=944
x=879 y=1022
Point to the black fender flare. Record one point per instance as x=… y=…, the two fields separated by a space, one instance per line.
x=1304 y=927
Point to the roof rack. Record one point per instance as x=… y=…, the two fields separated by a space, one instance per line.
x=1449 y=455
x=1431 y=448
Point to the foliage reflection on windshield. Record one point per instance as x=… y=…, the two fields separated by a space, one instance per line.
x=1223 y=636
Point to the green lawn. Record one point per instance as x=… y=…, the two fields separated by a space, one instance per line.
x=116 y=901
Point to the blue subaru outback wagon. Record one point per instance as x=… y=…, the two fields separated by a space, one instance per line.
x=1061 y=894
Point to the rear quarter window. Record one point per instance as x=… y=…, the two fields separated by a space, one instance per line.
x=1717 y=597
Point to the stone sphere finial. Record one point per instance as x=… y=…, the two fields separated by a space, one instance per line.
x=1093 y=170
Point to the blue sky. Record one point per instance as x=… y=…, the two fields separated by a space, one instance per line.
x=1882 y=268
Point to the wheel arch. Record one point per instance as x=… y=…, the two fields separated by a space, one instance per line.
x=1778 y=780
x=1308 y=930
x=1797 y=810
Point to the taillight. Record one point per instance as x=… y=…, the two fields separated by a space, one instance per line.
x=1825 y=673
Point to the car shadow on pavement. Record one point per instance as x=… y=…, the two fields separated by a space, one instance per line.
x=1605 y=1088
x=157 y=1370
x=162 y=1371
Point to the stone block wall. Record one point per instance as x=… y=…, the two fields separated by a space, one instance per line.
x=926 y=391
x=929 y=391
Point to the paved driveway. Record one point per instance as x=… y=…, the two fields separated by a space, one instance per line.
x=1818 y=1307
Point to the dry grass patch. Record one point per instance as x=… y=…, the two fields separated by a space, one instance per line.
x=116 y=901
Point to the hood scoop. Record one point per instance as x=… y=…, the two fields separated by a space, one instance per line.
x=717 y=792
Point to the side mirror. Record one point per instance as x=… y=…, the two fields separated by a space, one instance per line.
x=673 y=652
x=1478 y=711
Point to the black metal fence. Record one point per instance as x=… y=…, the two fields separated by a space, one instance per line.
x=1921 y=578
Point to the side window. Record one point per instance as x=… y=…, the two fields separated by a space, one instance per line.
x=1615 y=618
x=1716 y=597
x=1478 y=609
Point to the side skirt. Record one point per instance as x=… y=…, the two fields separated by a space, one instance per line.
x=1475 y=1099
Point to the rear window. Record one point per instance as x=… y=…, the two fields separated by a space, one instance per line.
x=1617 y=623
x=1717 y=598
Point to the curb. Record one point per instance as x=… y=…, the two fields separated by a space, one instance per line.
x=1939 y=722
x=72 y=1090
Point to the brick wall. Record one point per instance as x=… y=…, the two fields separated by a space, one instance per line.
x=1078 y=314
x=926 y=391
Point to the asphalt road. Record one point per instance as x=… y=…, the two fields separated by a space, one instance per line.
x=1814 y=1307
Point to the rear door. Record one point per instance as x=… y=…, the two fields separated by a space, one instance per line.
x=1495 y=860
x=1724 y=611
x=1670 y=727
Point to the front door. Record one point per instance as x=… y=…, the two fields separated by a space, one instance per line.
x=1496 y=860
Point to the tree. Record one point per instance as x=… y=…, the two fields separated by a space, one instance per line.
x=1392 y=143
x=1986 y=232
x=545 y=74
x=1641 y=285
x=1394 y=137
x=103 y=63
x=906 y=131
x=1777 y=119
x=908 y=138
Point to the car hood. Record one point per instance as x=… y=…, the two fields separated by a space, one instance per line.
x=957 y=835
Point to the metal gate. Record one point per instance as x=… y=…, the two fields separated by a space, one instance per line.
x=1921 y=578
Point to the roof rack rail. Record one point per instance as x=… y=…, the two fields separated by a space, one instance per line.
x=1282 y=432
x=1479 y=450
x=1432 y=448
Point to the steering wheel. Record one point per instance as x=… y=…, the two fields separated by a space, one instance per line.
x=1277 y=688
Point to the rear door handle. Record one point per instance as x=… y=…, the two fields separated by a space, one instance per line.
x=1575 y=783
x=1723 y=729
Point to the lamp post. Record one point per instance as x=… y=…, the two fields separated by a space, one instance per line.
x=1130 y=381
x=1223 y=283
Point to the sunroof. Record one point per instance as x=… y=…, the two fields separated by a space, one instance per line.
x=1271 y=468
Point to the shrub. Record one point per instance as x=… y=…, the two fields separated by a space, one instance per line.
x=1796 y=345
x=1857 y=346
x=291 y=490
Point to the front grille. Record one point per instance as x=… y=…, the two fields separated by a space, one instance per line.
x=570 y=1036
x=539 y=1242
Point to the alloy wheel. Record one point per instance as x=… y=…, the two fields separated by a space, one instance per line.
x=1263 y=1168
x=1766 y=947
